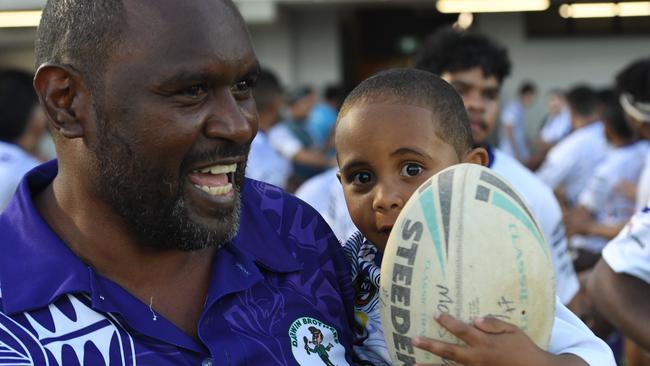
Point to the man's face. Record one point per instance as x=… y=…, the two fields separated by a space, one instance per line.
x=385 y=152
x=480 y=95
x=175 y=121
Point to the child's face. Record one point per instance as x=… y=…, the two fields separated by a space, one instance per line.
x=385 y=152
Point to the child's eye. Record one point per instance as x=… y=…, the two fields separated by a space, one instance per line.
x=411 y=170
x=361 y=178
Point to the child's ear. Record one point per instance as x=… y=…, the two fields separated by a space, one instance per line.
x=477 y=155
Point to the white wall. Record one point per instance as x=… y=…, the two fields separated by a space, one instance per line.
x=301 y=46
x=559 y=62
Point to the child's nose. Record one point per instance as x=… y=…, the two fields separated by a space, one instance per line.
x=387 y=199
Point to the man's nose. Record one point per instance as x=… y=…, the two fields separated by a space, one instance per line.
x=474 y=102
x=230 y=119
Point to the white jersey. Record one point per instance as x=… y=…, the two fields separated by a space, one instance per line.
x=568 y=335
x=643 y=185
x=547 y=210
x=608 y=205
x=556 y=127
x=284 y=141
x=629 y=252
x=572 y=161
x=14 y=163
x=324 y=193
x=266 y=164
x=513 y=117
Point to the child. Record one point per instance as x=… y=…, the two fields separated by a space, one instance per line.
x=395 y=130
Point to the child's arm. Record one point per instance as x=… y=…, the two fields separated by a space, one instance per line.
x=492 y=342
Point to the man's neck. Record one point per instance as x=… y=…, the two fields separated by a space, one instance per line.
x=102 y=239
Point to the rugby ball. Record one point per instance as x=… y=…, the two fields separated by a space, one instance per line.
x=465 y=244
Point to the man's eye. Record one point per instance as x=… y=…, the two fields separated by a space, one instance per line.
x=243 y=87
x=411 y=170
x=361 y=178
x=194 y=91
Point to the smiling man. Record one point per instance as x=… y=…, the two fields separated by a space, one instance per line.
x=144 y=243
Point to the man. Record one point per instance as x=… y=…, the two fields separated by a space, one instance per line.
x=264 y=162
x=620 y=282
x=570 y=163
x=476 y=67
x=21 y=126
x=513 y=123
x=557 y=124
x=145 y=244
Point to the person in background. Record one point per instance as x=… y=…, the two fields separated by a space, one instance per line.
x=620 y=282
x=322 y=117
x=476 y=67
x=292 y=140
x=512 y=134
x=265 y=163
x=570 y=163
x=556 y=126
x=22 y=124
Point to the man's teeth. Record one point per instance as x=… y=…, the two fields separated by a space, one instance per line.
x=215 y=191
x=219 y=169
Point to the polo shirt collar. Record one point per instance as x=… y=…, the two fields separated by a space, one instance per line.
x=31 y=250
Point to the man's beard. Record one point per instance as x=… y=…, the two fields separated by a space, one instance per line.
x=145 y=196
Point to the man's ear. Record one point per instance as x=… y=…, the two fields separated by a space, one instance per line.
x=477 y=155
x=65 y=98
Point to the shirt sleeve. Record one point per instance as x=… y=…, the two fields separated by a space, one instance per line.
x=556 y=167
x=283 y=141
x=597 y=190
x=629 y=252
x=570 y=335
x=509 y=115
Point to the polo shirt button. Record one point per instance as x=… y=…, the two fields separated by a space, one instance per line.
x=207 y=362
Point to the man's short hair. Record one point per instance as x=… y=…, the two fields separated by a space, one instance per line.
x=17 y=101
x=448 y=50
x=267 y=89
x=81 y=34
x=583 y=100
x=527 y=87
x=420 y=88
x=614 y=119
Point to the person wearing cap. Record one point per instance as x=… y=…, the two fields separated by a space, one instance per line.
x=620 y=282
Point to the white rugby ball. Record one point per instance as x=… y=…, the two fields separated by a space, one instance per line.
x=465 y=244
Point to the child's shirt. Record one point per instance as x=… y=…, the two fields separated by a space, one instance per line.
x=569 y=334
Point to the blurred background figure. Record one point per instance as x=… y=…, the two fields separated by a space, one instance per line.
x=570 y=163
x=322 y=116
x=556 y=126
x=265 y=163
x=292 y=140
x=602 y=210
x=22 y=125
x=512 y=134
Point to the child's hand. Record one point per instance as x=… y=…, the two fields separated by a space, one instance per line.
x=490 y=342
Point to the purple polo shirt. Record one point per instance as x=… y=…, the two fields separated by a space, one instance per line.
x=279 y=294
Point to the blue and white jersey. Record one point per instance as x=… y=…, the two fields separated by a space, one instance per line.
x=279 y=290
x=568 y=335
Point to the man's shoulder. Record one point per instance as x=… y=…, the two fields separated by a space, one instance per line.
x=535 y=191
x=276 y=211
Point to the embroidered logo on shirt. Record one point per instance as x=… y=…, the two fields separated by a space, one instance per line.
x=316 y=343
